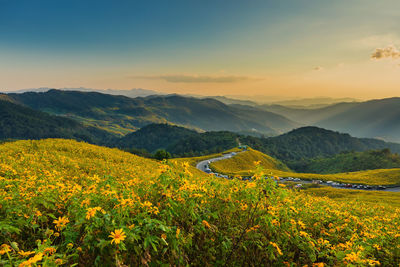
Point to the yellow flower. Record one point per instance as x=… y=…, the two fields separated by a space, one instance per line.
x=25 y=253
x=117 y=236
x=164 y=236
x=59 y=261
x=70 y=245
x=206 y=224
x=92 y=211
x=49 y=251
x=33 y=260
x=377 y=247
x=4 y=249
x=352 y=257
x=177 y=232
x=61 y=222
x=277 y=248
x=303 y=234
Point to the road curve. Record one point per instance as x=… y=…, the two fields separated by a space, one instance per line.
x=204 y=166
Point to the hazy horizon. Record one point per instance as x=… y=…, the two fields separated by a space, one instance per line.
x=296 y=49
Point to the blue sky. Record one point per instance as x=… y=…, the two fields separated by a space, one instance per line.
x=227 y=47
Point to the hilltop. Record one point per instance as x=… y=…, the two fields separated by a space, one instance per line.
x=65 y=202
x=247 y=162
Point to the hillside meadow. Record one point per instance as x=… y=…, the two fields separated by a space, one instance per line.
x=67 y=203
x=243 y=165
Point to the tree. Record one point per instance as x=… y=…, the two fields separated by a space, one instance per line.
x=162 y=154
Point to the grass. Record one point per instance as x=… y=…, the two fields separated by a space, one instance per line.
x=243 y=165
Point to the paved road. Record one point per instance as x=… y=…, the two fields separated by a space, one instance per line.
x=204 y=166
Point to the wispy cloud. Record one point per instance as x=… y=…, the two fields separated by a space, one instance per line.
x=318 y=68
x=388 y=52
x=184 y=78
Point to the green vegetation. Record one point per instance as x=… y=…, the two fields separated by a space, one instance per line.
x=244 y=162
x=297 y=147
x=155 y=136
x=161 y=154
x=362 y=196
x=69 y=203
x=230 y=167
x=353 y=161
x=19 y=122
x=123 y=114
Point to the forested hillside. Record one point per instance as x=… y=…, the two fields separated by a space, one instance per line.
x=18 y=122
x=122 y=115
x=298 y=146
x=353 y=161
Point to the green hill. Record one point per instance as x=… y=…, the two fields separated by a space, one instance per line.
x=354 y=161
x=300 y=145
x=248 y=161
x=155 y=136
x=18 y=122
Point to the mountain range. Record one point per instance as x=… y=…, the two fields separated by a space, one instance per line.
x=121 y=115
x=373 y=119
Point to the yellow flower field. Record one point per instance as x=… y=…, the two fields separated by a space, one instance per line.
x=63 y=202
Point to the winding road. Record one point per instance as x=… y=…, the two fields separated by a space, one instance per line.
x=205 y=167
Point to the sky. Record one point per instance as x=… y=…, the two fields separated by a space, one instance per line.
x=291 y=48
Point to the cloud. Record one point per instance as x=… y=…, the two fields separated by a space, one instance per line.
x=388 y=52
x=182 y=78
x=318 y=68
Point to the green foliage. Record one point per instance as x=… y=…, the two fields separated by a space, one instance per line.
x=155 y=136
x=297 y=147
x=19 y=122
x=69 y=203
x=353 y=161
x=161 y=154
x=204 y=144
x=123 y=114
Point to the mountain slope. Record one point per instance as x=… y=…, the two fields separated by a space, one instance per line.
x=122 y=114
x=373 y=119
x=309 y=116
x=155 y=136
x=376 y=118
x=18 y=122
x=312 y=142
x=245 y=162
x=354 y=161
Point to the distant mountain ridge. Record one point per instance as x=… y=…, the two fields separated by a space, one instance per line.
x=135 y=92
x=374 y=118
x=123 y=114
